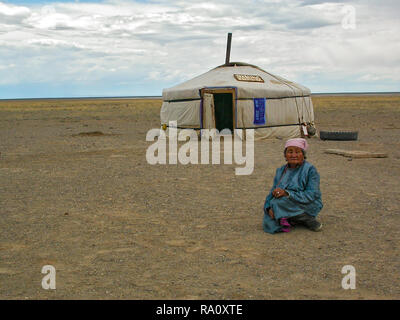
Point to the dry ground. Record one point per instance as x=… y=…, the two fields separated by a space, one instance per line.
x=115 y=227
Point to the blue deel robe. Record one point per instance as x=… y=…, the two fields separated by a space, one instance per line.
x=302 y=184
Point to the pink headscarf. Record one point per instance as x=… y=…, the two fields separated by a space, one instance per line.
x=297 y=142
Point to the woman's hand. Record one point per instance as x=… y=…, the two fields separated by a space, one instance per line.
x=271 y=213
x=278 y=193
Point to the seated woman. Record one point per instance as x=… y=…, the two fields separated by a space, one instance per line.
x=295 y=197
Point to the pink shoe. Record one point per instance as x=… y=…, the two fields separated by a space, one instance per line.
x=285 y=225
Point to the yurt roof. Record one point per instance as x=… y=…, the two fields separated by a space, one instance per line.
x=250 y=81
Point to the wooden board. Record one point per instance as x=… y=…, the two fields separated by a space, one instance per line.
x=357 y=154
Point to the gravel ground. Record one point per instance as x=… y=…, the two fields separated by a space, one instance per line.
x=116 y=227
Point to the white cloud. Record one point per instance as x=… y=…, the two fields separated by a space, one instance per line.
x=12 y=15
x=164 y=42
x=13 y=11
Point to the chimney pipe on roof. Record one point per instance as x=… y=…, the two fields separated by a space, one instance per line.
x=228 y=48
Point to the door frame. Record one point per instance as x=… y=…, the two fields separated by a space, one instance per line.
x=211 y=90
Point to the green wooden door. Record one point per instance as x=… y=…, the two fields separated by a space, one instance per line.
x=223 y=111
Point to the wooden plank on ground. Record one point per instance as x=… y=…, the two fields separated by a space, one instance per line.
x=357 y=154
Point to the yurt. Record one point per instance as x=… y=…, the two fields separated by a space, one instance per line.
x=240 y=96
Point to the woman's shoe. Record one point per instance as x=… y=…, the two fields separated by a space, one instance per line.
x=285 y=225
x=317 y=226
x=305 y=219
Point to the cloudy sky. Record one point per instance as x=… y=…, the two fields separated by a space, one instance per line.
x=138 y=47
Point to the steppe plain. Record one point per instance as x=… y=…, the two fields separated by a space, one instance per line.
x=76 y=192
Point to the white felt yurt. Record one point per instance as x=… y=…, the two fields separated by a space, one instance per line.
x=240 y=96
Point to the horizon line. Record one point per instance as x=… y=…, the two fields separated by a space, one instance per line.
x=158 y=97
